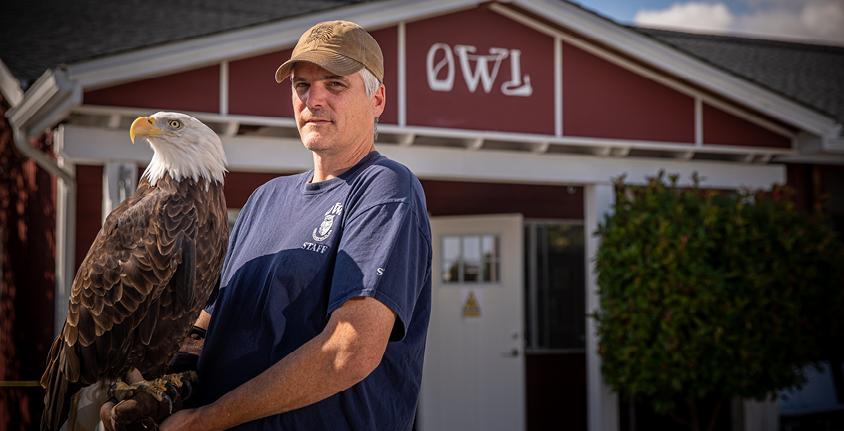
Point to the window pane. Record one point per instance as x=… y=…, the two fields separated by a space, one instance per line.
x=471 y=259
x=489 y=248
x=491 y=272
x=451 y=259
x=472 y=248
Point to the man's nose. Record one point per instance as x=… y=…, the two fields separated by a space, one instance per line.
x=316 y=96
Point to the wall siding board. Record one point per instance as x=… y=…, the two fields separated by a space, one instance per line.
x=193 y=90
x=722 y=128
x=252 y=86
x=604 y=100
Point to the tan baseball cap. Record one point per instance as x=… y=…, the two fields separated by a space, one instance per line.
x=340 y=47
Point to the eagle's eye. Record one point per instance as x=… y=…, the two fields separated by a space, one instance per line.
x=174 y=124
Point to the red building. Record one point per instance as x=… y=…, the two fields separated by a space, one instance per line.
x=516 y=115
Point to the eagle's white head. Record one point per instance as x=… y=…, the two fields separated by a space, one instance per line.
x=182 y=147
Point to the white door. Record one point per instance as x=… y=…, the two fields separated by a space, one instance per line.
x=474 y=360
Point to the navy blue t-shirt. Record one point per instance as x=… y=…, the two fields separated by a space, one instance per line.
x=300 y=250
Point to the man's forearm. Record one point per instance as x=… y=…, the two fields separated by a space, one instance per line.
x=297 y=380
x=331 y=362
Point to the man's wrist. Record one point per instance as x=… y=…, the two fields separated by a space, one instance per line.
x=206 y=418
x=198 y=419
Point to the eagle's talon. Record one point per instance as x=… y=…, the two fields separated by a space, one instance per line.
x=169 y=403
x=188 y=389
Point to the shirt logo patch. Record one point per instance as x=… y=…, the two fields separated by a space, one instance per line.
x=322 y=231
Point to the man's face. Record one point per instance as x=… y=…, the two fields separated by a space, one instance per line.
x=333 y=113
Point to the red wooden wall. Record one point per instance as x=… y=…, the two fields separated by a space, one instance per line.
x=252 y=86
x=722 y=128
x=604 y=100
x=193 y=90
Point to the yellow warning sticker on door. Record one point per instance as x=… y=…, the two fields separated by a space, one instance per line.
x=471 y=307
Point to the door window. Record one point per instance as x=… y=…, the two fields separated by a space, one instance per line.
x=470 y=259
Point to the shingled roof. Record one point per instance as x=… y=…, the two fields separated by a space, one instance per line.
x=43 y=34
x=40 y=35
x=812 y=74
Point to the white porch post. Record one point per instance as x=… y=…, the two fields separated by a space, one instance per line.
x=602 y=403
x=119 y=182
x=65 y=233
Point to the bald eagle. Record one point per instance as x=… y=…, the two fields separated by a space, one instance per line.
x=150 y=270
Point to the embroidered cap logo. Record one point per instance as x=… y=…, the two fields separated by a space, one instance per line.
x=322 y=33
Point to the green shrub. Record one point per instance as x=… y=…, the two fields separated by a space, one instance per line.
x=709 y=295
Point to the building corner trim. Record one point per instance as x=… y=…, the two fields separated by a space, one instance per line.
x=10 y=87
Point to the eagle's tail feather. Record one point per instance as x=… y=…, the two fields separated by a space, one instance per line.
x=58 y=389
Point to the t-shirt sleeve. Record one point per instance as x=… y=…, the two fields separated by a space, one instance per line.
x=382 y=255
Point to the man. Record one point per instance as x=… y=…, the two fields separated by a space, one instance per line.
x=322 y=313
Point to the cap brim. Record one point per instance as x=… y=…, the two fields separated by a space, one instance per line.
x=331 y=61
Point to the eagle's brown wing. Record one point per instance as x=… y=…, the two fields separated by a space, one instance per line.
x=135 y=294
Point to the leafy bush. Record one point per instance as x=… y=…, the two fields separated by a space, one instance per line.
x=709 y=295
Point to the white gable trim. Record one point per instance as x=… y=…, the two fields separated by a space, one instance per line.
x=173 y=57
x=10 y=87
x=682 y=65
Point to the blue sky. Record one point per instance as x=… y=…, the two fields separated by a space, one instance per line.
x=804 y=20
x=624 y=11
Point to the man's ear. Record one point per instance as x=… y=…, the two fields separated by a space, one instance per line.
x=379 y=101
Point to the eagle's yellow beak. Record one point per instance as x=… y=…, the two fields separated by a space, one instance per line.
x=144 y=127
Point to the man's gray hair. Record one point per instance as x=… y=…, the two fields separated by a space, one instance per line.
x=370 y=82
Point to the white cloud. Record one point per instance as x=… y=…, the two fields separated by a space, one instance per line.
x=691 y=16
x=817 y=19
x=821 y=20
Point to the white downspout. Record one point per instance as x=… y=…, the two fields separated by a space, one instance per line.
x=65 y=211
x=41 y=159
x=46 y=103
x=65 y=234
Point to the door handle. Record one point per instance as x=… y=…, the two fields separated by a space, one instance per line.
x=511 y=353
